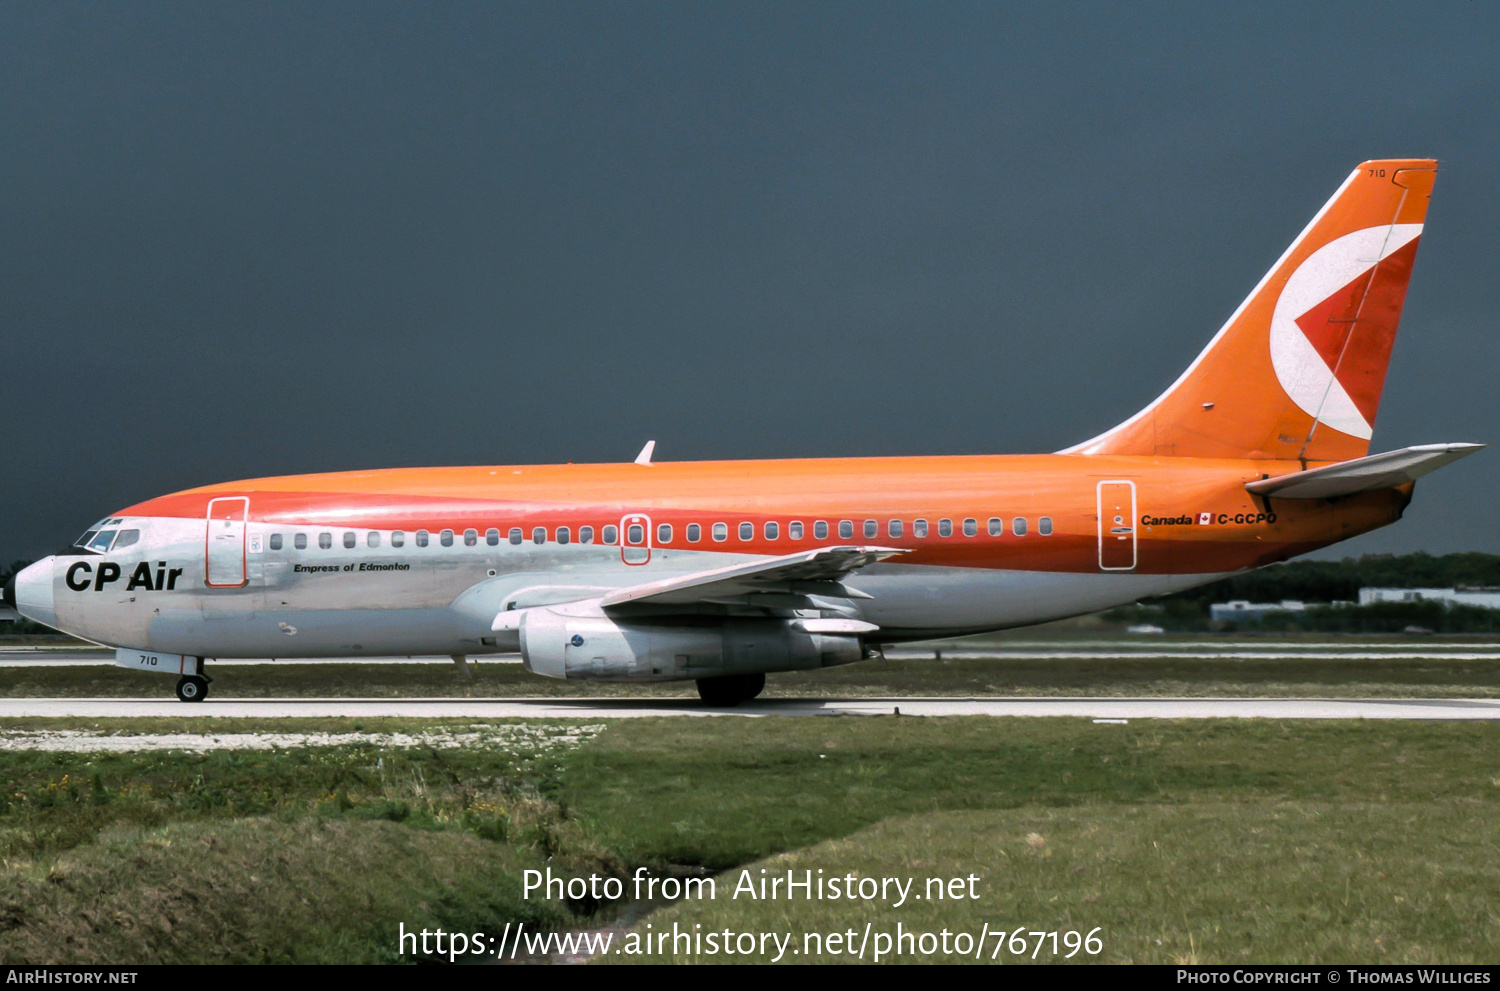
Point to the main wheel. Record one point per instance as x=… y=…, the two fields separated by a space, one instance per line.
x=731 y=689
x=192 y=688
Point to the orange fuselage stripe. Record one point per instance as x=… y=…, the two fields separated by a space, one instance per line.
x=1242 y=532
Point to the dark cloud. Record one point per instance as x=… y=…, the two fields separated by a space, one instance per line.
x=239 y=240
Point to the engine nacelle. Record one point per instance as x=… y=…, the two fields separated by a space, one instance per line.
x=567 y=642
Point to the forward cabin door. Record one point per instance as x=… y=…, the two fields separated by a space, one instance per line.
x=635 y=539
x=224 y=564
x=1116 y=502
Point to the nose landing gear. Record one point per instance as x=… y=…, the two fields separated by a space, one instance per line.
x=192 y=688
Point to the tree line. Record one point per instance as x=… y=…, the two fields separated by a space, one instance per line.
x=1320 y=584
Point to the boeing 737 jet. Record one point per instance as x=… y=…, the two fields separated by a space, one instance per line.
x=724 y=571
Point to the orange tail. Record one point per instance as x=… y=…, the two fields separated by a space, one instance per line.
x=1297 y=371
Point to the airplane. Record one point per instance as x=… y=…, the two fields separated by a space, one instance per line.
x=721 y=572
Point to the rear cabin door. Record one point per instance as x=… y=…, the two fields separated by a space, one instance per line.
x=224 y=564
x=635 y=539
x=1116 y=501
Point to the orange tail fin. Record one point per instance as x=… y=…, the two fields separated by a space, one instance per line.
x=1297 y=371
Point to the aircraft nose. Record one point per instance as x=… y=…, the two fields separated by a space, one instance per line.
x=33 y=592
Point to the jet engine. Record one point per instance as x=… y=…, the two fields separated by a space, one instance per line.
x=567 y=643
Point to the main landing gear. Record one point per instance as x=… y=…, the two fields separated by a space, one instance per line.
x=192 y=688
x=731 y=689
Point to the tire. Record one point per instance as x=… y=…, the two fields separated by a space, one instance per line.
x=192 y=689
x=731 y=689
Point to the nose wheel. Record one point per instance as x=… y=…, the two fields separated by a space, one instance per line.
x=192 y=688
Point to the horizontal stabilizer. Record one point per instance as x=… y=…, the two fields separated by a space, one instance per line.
x=1378 y=471
x=823 y=564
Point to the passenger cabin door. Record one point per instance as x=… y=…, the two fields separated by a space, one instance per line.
x=635 y=539
x=1116 y=502
x=224 y=550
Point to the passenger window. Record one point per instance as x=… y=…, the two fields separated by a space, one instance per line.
x=747 y=531
x=539 y=535
x=773 y=531
x=820 y=530
x=997 y=526
x=945 y=528
x=421 y=538
x=128 y=537
x=872 y=529
x=794 y=530
x=1018 y=526
x=325 y=540
x=609 y=534
x=471 y=538
x=398 y=538
x=721 y=531
x=971 y=527
x=846 y=529
x=585 y=535
x=492 y=537
x=446 y=538
x=919 y=528
x=275 y=541
x=101 y=542
x=663 y=533
x=373 y=540
x=300 y=541
x=635 y=534
x=349 y=540
x=564 y=534
x=894 y=528
x=1044 y=526
x=694 y=533
x=515 y=535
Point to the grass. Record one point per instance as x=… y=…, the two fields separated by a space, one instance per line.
x=258 y=890
x=296 y=855
x=1193 y=841
x=672 y=790
x=1212 y=841
x=1264 y=881
x=1146 y=675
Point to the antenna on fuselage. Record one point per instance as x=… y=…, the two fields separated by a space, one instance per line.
x=644 y=458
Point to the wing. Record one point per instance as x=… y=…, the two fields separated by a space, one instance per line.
x=1378 y=471
x=826 y=564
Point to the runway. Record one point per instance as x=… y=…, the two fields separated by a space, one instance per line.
x=1095 y=649
x=1112 y=709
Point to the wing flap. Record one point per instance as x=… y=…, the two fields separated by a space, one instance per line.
x=1378 y=471
x=821 y=565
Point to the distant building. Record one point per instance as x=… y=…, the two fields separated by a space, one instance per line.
x=1240 y=609
x=1485 y=598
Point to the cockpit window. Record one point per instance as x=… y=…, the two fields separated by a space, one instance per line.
x=128 y=537
x=97 y=539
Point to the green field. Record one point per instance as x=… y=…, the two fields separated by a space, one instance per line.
x=1223 y=841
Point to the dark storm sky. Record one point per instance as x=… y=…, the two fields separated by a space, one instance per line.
x=251 y=239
